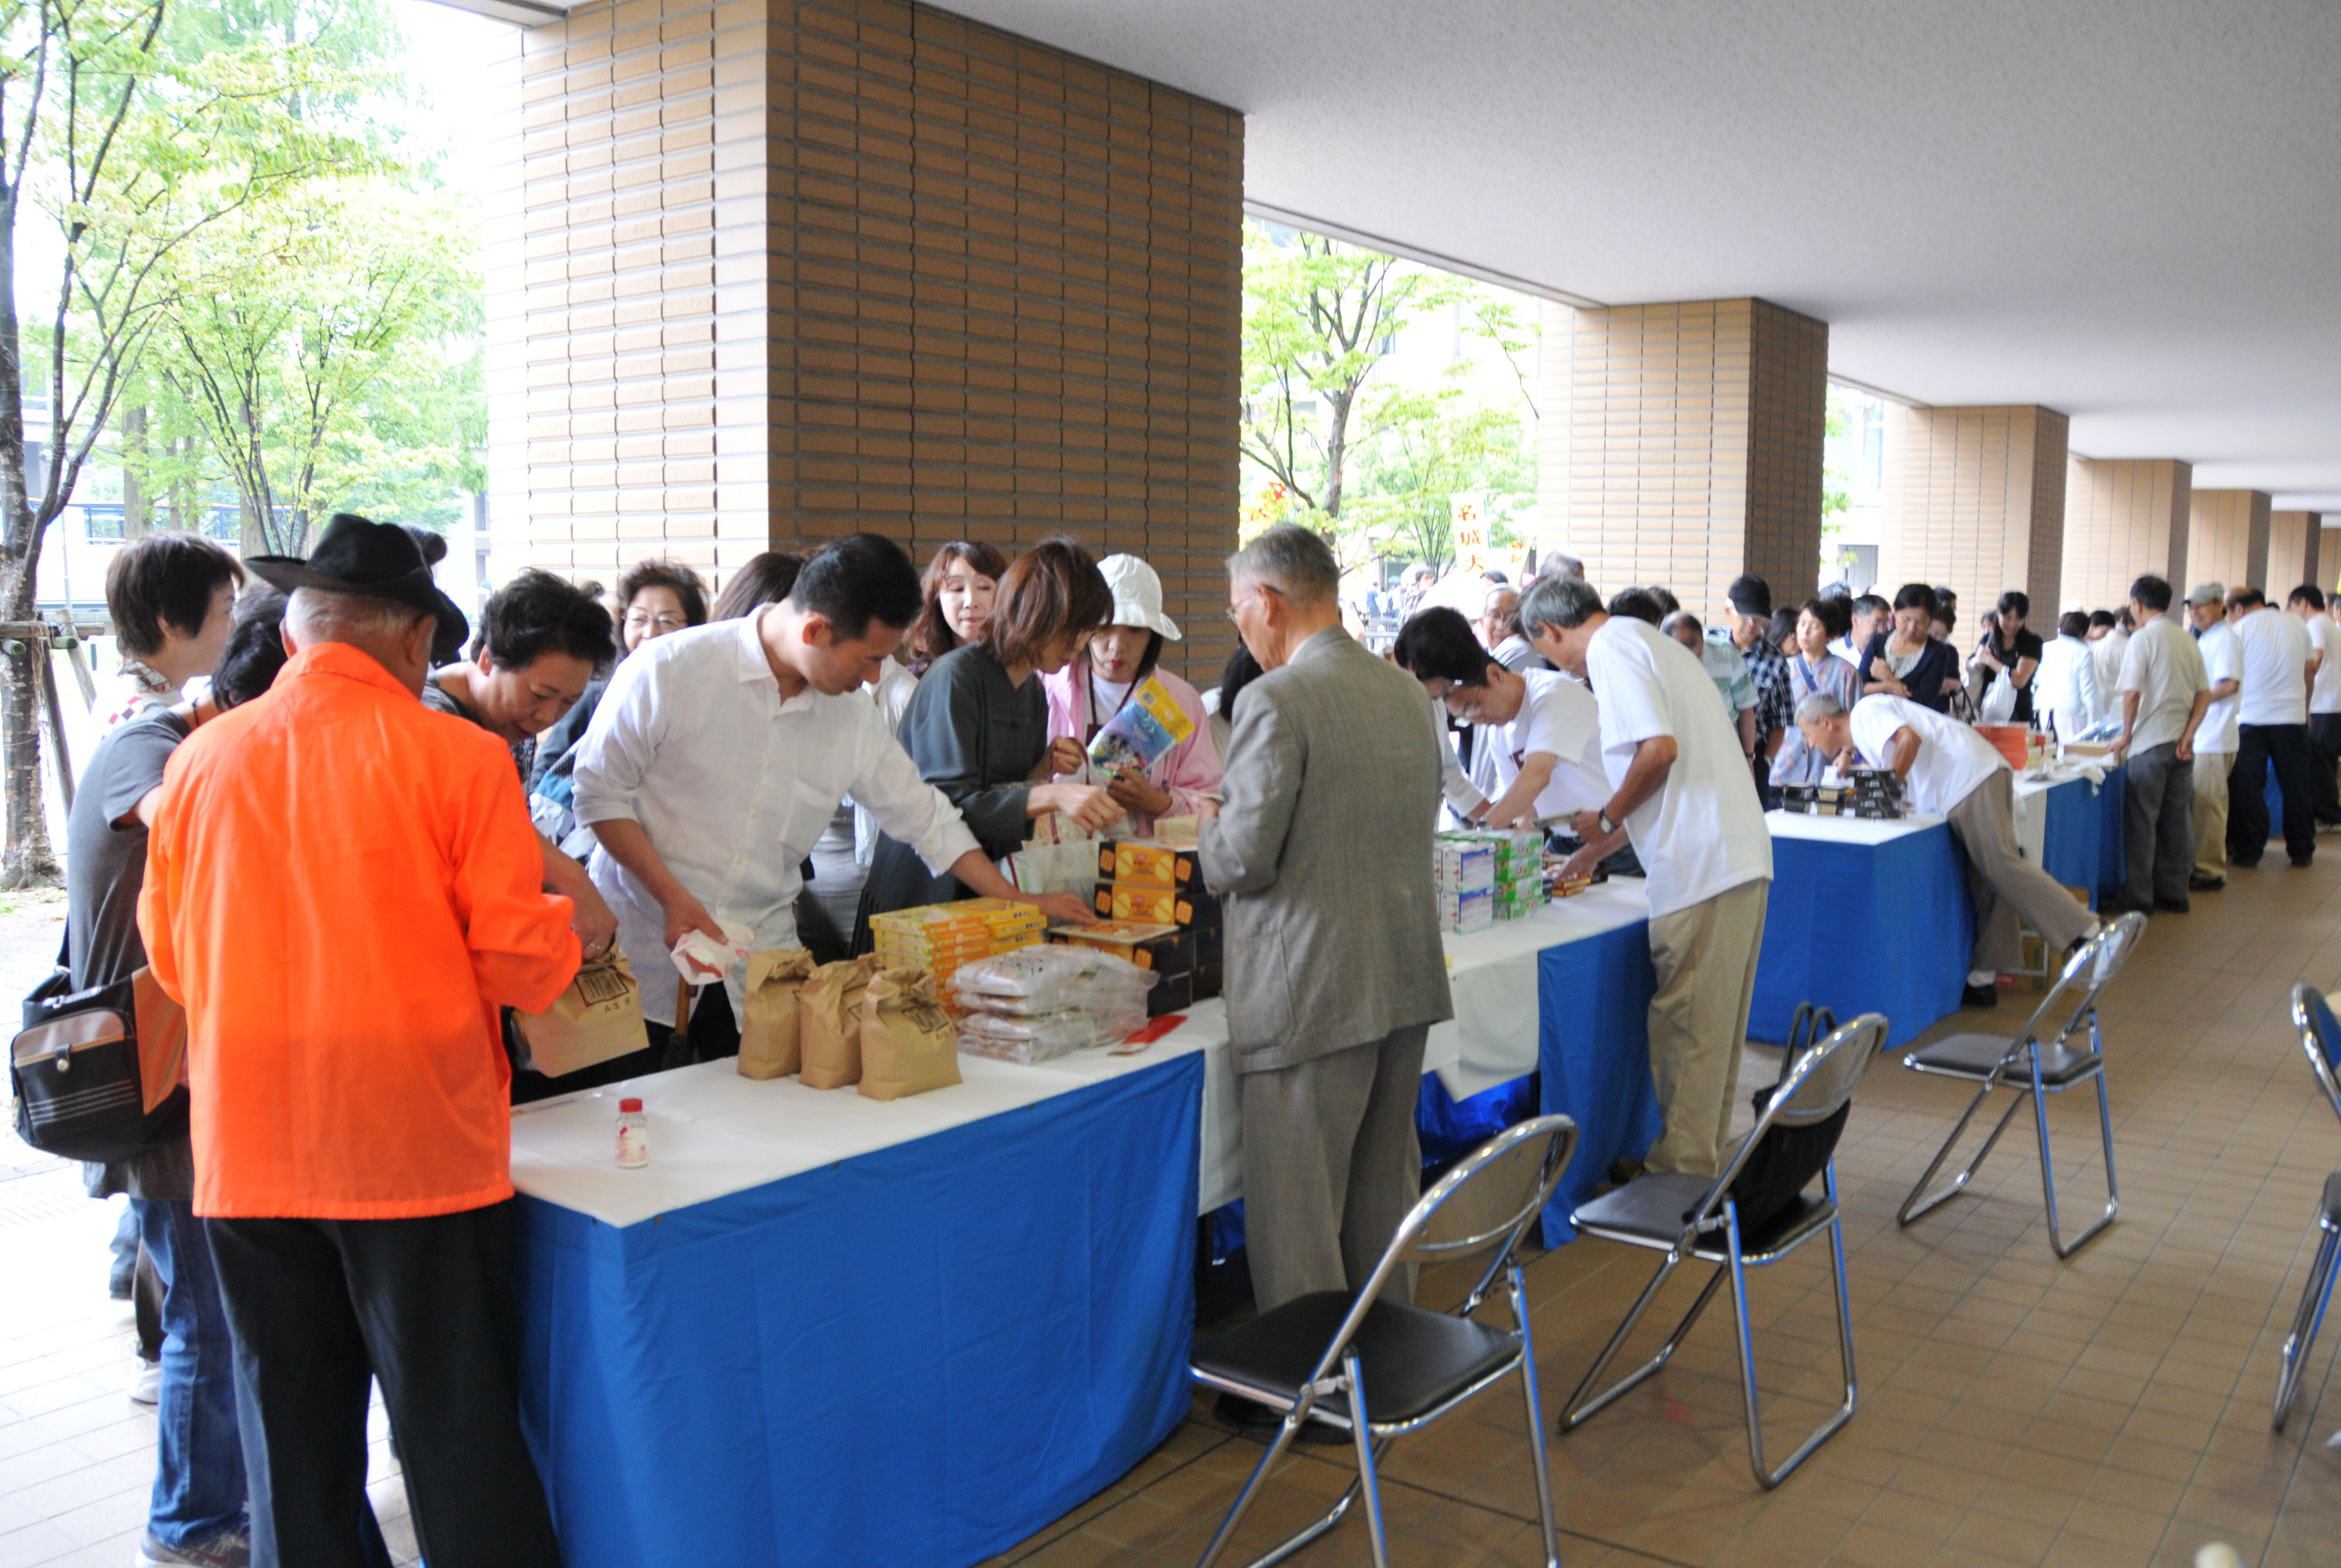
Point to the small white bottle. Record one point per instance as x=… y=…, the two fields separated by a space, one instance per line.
x=634 y=1135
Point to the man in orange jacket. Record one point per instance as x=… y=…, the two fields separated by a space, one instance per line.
x=343 y=887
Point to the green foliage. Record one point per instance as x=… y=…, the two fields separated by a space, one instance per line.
x=1837 y=477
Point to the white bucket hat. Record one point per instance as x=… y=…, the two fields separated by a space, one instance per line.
x=1137 y=595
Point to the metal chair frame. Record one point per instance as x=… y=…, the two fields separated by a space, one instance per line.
x=1712 y=1235
x=2320 y=1038
x=2018 y=1068
x=1336 y=1370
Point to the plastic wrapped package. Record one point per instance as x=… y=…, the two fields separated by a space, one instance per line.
x=1029 y=1039
x=1044 y=979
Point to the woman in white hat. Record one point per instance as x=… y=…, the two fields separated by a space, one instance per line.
x=1086 y=695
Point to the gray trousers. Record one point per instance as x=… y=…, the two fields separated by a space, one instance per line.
x=2006 y=887
x=1330 y=1165
x=2159 y=824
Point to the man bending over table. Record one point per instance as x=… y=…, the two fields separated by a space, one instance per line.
x=1541 y=728
x=1949 y=771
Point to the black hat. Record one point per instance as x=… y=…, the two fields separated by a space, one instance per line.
x=379 y=560
x=1751 y=595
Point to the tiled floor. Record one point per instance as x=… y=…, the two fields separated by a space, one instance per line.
x=2109 y=1410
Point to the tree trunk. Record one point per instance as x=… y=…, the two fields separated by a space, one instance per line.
x=26 y=859
x=137 y=510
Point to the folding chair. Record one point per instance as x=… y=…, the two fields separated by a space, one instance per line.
x=2035 y=1066
x=1315 y=1358
x=1687 y=1216
x=2320 y=1037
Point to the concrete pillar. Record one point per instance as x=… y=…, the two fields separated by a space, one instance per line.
x=2123 y=518
x=2328 y=553
x=765 y=274
x=1974 y=499
x=1681 y=444
x=2296 y=554
x=2227 y=538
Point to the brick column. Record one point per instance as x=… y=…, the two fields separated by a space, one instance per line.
x=2295 y=552
x=2328 y=553
x=769 y=274
x=2123 y=518
x=2227 y=538
x=1975 y=497
x=1681 y=444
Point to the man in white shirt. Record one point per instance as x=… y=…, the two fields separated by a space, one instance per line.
x=2308 y=602
x=2164 y=690
x=2214 y=737
x=2271 y=728
x=1539 y=729
x=1680 y=794
x=2066 y=688
x=720 y=755
x=1500 y=631
x=1949 y=771
x=2109 y=641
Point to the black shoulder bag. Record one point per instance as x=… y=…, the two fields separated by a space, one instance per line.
x=96 y=1073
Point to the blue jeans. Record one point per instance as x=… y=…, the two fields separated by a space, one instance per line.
x=199 y=1453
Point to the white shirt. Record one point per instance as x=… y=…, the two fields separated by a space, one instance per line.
x=2276 y=667
x=735 y=786
x=1557 y=715
x=2107 y=652
x=1844 y=649
x=1464 y=798
x=1701 y=832
x=1952 y=758
x=2066 y=684
x=2223 y=660
x=2324 y=696
x=2162 y=666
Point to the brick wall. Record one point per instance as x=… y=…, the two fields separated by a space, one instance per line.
x=2328 y=555
x=1681 y=444
x=1974 y=499
x=2295 y=541
x=2123 y=518
x=767 y=273
x=2227 y=538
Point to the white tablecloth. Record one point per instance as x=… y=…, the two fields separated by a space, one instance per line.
x=1843 y=829
x=2031 y=804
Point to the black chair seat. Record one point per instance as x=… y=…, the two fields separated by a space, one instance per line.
x=1651 y=1210
x=1973 y=1056
x=1413 y=1360
x=2333 y=1201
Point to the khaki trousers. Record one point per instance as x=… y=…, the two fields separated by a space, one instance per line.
x=1705 y=956
x=2003 y=886
x=2211 y=813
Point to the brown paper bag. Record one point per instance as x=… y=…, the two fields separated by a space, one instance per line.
x=829 y=1023
x=908 y=1043
x=769 y=1037
x=599 y=1016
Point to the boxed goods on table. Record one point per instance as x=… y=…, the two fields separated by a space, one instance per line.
x=1507 y=867
x=1158 y=882
x=1156 y=905
x=1168 y=864
x=1877 y=792
x=1817 y=800
x=937 y=938
x=1040 y=1002
x=1467 y=911
x=1462 y=863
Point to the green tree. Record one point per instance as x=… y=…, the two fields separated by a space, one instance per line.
x=1432 y=446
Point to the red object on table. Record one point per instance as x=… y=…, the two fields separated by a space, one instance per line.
x=1155 y=1029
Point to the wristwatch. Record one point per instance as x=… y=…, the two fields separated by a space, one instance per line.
x=1602 y=818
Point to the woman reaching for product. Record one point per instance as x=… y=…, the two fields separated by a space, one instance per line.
x=1101 y=683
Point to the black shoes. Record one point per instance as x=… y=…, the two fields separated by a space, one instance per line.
x=1979 y=997
x=2171 y=905
x=2113 y=903
x=2198 y=883
x=2303 y=862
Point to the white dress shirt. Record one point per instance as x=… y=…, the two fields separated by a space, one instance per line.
x=735 y=786
x=2324 y=696
x=2276 y=667
x=2162 y=665
x=1953 y=761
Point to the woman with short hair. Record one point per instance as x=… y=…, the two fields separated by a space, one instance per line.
x=1906 y=661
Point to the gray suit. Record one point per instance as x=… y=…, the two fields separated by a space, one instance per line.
x=1335 y=970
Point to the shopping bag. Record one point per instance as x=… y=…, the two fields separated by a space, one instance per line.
x=908 y=1043
x=599 y=1016
x=770 y=1037
x=829 y=1023
x=1999 y=705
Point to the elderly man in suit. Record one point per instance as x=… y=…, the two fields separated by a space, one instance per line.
x=1335 y=972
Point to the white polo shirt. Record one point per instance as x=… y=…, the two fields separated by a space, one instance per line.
x=1702 y=832
x=2324 y=696
x=1557 y=715
x=2223 y=660
x=1952 y=758
x=2162 y=668
x=2275 y=668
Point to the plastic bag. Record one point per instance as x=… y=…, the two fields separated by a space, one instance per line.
x=1999 y=705
x=1039 y=1039
x=1048 y=977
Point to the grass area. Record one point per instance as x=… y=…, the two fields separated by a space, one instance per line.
x=32 y=901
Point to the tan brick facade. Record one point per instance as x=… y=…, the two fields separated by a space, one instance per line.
x=2227 y=539
x=768 y=274
x=1681 y=444
x=2296 y=552
x=1974 y=499
x=2328 y=553
x=2123 y=518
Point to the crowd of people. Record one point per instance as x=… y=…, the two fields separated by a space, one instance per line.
x=376 y=830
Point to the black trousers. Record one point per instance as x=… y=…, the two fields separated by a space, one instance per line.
x=713 y=1034
x=2257 y=745
x=2324 y=749
x=426 y=1307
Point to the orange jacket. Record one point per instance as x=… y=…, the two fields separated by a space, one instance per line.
x=342 y=887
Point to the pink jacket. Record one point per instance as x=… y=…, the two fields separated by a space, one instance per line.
x=1189 y=770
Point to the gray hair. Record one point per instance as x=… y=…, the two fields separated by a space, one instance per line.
x=332 y=615
x=1815 y=707
x=1563 y=603
x=1566 y=565
x=1294 y=561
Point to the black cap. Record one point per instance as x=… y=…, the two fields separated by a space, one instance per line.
x=1751 y=595
x=379 y=560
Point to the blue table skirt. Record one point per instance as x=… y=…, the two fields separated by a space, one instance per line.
x=2073 y=834
x=1593 y=1058
x=2113 y=855
x=1865 y=928
x=919 y=1356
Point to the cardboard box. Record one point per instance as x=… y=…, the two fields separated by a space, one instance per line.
x=1155 y=906
x=1171 y=993
x=1461 y=864
x=1467 y=911
x=1164 y=949
x=1210 y=979
x=1150 y=863
x=1211 y=943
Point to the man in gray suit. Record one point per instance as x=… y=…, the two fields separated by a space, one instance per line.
x=1335 y=973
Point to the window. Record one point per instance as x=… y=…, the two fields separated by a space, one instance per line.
x=103 y=521
x=1873 y=441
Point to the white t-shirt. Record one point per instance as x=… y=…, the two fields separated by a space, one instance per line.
x=2162 y=666
x=2276 y=662
x=2107 y=652
x=2067 y=685
x=1952 y=758
x=1702 y=832
x=1557 y=715
x=2325 y=697
x=2223 y=660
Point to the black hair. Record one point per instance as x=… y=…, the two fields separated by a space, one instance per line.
x=1240 y=671
x=2152 y=592
x=2246 y=595
x=1783 y=626
x=2310 y=592
x=1835 y=615
x=1439 y=643
x=1146 y=661
x=2102 y=618
x=1638 y=603
x=1667 y=603
x=2072 y=624
x=672 y=576
x=764 y=578
x=537 y=614
x=165 y=583
x=1839 y=590
x=1919 y=596
x=856 y=580
x=255 y=649
x=2016 y=601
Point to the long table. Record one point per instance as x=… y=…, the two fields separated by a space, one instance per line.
x=2062 y=821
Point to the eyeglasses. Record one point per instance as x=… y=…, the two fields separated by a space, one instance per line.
x=661 y=622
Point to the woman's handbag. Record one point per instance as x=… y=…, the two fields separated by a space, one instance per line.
x=97 y=1073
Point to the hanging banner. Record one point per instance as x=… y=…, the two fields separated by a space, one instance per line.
x=1472 y=553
